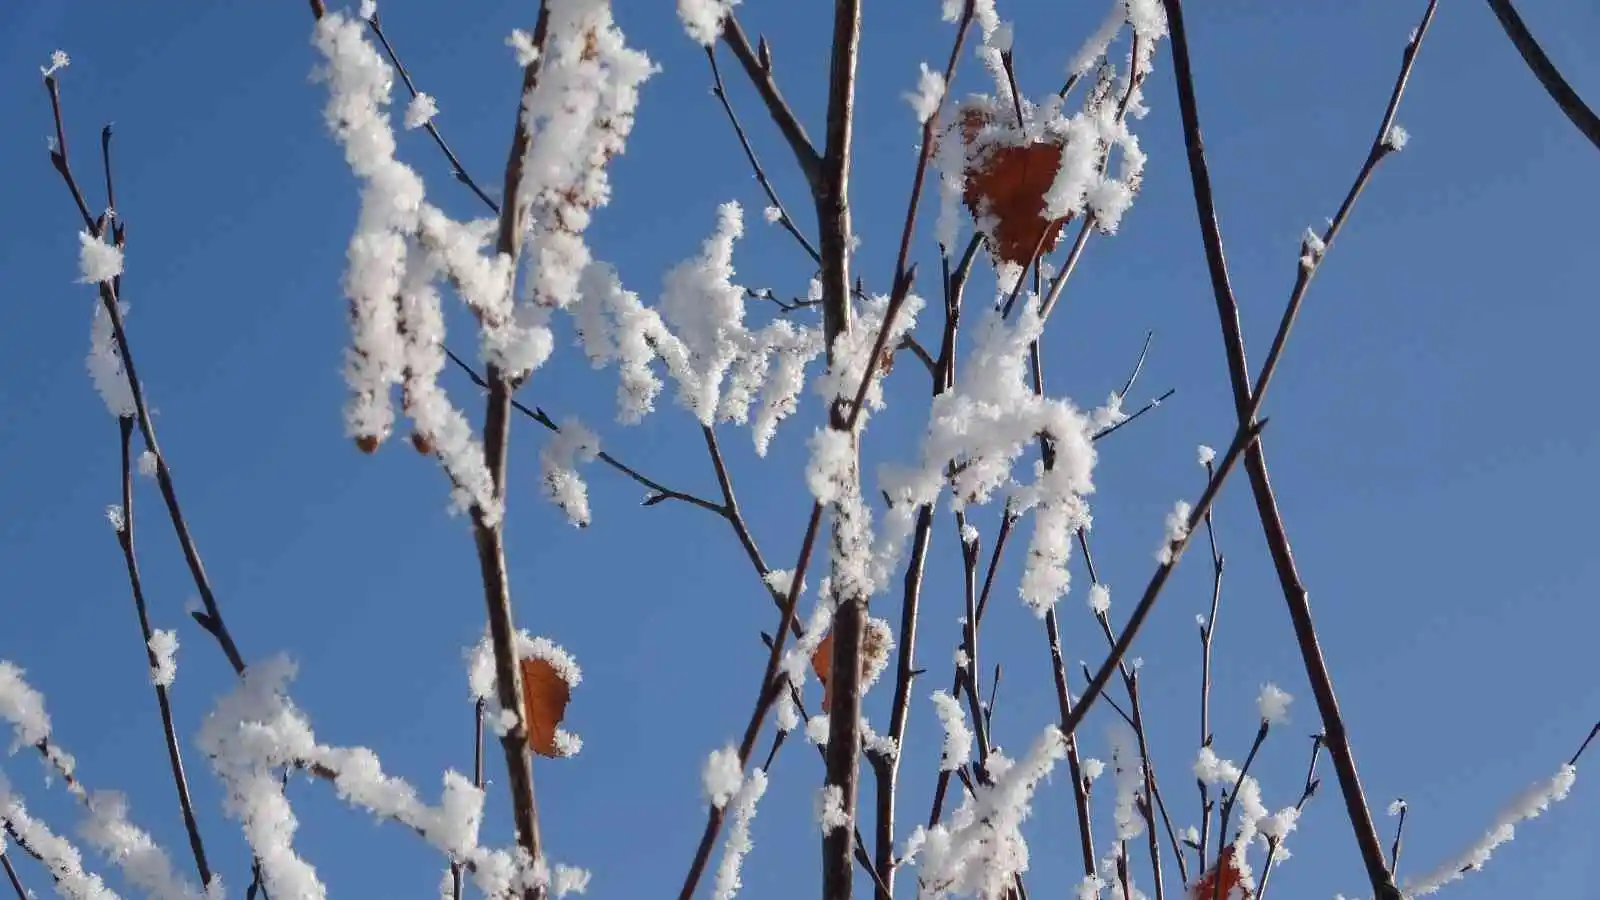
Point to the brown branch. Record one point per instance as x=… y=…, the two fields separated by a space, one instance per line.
x=719 y=91
x=1245 y=438
x=1543 y=69
x=1227 y=805
x=1306 y=793
x=832 y=196
x=489 y=534
x=457 y=169
x=211 y=618
x=658 y=492
x=163 y=699
x=771 y=686
x=1593 y=732
x=759 y=70
x=11 y=876
x=1247 y=403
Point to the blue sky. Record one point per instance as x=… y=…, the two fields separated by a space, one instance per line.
x=1428 y=443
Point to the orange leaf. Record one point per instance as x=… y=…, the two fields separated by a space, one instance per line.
x=1009 y=183
x=544 y=702
x=1207 y=888
x=875 y=641
x=822 y=664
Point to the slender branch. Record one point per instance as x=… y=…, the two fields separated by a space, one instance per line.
x=1247 y=404
x=1306 y=793
x=1399 y=832
x=11 y=876
x=771 y=686
x=457 y=169
x=488 y=533
x=1109 y=430
x=1245 y=438
x=1208 y=634
x=1573 y=761
x=759 y=70
x=211 y=617
x=719 y=91
x=1228 y=804
x=1543 y=69
x=1382 y=146
x=163 y=700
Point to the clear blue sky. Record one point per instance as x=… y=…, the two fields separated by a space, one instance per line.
x=1429 y=443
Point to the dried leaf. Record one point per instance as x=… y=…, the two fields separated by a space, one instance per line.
x=1009 y=183
x=1207 y=888
x=876 y=639
x=544 y=703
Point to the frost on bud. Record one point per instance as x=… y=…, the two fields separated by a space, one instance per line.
x=1273 y=703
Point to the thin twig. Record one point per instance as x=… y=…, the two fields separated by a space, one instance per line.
x=719 y=91
x=11 y=875
x=1306 y=793
x=457 y=169
x=771 y=685
x=163 y=700
x=759 y=70
x=1228 y=804
x=211 y=617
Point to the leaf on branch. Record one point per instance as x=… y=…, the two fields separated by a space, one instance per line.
x=544 y=703
x=876 y=641
x=1207 y=886
x=1008 y=183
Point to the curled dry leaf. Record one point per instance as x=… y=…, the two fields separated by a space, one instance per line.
x=876 y=640
x=1229 y=889
x=1008 y=182
x=544 y=703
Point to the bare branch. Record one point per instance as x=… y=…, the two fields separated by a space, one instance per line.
x=1543 y=69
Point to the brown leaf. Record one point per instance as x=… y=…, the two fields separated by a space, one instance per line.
x=544 y=703
x=1207 y=888
x=1009 y=183
x=875 y=640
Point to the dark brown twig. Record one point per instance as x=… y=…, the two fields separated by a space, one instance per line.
x=1306 y=793
x=720 y=91
x=1228 y=804
x=211 y=617
x=457 y=169
x=163 y=699
x=759 y=70
x=11 y=876
x=1543 y=69
x=1247 y=404
x=771 y=686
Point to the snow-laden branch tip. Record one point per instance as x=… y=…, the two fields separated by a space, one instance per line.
x=558 y=465
x=98 y=261
x=741 y=809
x=1273 y=704
x=1176 y=530
x=980 y=849
x=58 y=61
x=929 y=94
x=703 y=19
x=1529 y=805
